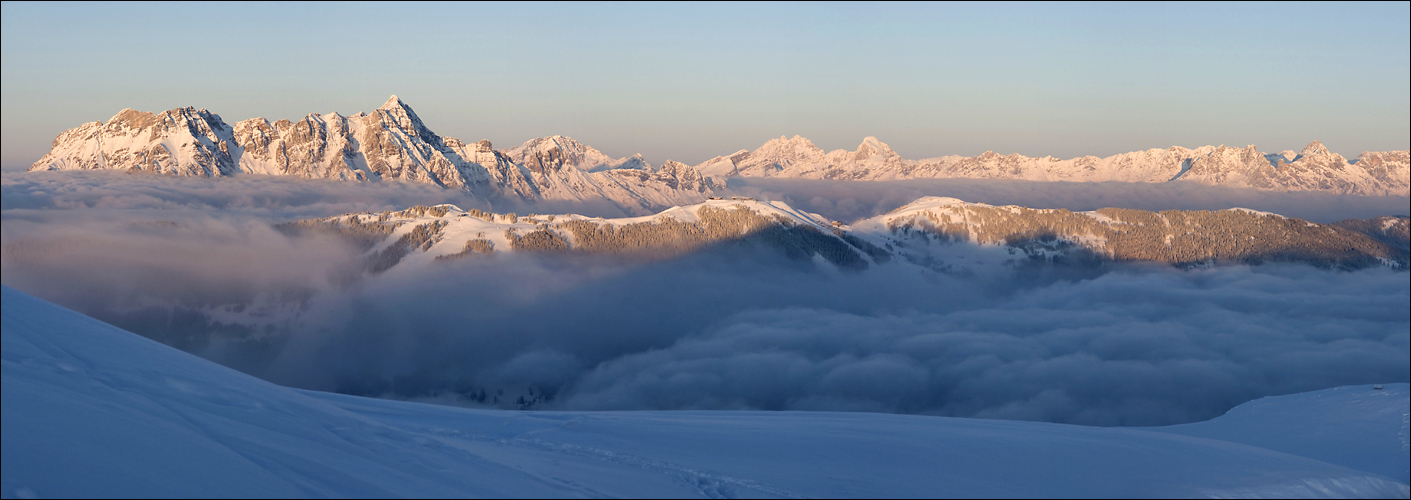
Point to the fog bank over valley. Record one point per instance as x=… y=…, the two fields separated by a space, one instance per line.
x=291 y=198
x=196 y=263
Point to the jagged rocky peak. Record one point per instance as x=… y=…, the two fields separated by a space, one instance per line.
x=871 y=147
x=402 y=115
x=553 y=153
x=1316 y=149
x=395 y=107
x=634 y=162
x=780 y=154
x=395 y=104
x=180 y=141
x=673 y=173
x=679 y=170
x=797 y=145
x=131 y=118
x=390 y=143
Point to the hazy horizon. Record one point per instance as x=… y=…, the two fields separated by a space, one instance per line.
x=689 y=82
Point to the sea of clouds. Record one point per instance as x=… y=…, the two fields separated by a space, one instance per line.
x=195 y=263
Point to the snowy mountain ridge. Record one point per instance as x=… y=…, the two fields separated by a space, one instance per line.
x=422 y=235
x=1314 y=169
x=392 y=143
x=389 y=144
x=938 y=234
x=1185 y=238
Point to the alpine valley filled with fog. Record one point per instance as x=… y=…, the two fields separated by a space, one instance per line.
x=356 y=303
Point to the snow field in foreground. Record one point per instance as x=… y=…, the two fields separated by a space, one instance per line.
x=92 y=410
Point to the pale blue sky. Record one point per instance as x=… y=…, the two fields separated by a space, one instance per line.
x=691 y=81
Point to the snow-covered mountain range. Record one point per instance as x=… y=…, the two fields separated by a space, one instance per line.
x=389 y=144
x=938 y=234
x=392 y=143
x=425 y=234
x=556 y=152
x=1313 y=169
x=94 y=411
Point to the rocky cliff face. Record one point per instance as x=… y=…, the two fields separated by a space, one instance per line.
x=389 y=144
x=1315 y=169
x=183 y=141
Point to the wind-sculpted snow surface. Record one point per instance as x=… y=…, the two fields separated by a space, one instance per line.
x=389 y=144
x=1314 y=169
x=91 y=410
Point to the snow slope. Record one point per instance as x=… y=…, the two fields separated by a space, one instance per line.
x=91 y=410
x=1354 y=426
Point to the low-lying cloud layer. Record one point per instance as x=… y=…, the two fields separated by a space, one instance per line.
x=1137 y=347
x=1123 y=349
x=250 y=195
x=289 y=198
x=195 y=264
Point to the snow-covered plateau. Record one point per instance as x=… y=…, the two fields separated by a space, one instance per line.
x=92 y=410
x=392 y=144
